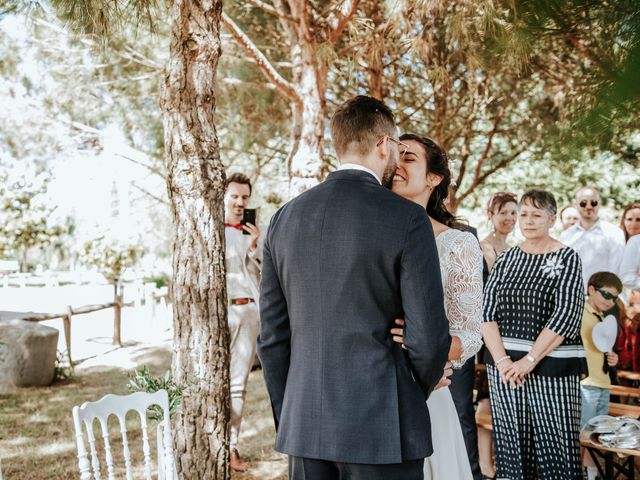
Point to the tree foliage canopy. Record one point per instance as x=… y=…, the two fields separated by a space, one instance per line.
x=506 y=87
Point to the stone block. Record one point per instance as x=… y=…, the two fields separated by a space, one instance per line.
x=27 y=354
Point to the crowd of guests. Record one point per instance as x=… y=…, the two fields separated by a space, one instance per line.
x=545 y=376
x=539 y=329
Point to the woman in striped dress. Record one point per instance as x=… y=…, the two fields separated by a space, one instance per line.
x=532 y=312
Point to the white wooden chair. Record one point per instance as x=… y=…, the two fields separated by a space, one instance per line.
x=119 y=406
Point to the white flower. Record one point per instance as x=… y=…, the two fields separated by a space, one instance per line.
x=552 y=267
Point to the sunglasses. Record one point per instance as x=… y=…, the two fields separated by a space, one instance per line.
x=583 y=203
x=607 y=295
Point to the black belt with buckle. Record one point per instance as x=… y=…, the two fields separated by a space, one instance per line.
x=241 y=301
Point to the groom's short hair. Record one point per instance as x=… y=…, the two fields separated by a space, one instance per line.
x=359 y=123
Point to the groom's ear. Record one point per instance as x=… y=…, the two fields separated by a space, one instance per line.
x=382 y=148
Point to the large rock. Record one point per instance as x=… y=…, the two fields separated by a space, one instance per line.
x=27 y=354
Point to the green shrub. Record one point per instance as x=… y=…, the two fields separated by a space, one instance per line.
x=161 y=280
x=62 y=371
x=142 y=381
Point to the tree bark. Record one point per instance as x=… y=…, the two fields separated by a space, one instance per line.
x=376 y=53
x=23 y=260
x=117 y=313
x=307 y=163
x=196 y=189
x=307 y=88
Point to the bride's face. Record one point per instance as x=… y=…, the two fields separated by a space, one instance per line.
x=411 y=179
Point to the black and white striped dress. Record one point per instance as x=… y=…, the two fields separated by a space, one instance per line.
x=537 y=426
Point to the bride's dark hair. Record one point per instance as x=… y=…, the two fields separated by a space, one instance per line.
x=438 y=163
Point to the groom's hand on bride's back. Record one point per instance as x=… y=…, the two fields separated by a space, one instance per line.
x=445 y=381
x=398 y=337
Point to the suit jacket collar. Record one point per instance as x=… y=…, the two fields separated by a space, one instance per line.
x=353 y=175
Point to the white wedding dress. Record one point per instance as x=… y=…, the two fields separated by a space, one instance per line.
x=461 y=268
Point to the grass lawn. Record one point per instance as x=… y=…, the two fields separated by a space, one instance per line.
x=37 y=436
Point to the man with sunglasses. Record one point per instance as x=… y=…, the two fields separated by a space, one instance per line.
x=599 y=244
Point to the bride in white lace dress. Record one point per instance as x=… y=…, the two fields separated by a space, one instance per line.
x=423 y=176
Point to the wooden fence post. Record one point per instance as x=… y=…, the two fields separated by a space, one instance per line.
x=117 y=314
x=66 y=320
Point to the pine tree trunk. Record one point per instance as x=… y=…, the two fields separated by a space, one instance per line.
x=23 y=260
x=196 y=190
x=375 y=56
x=307 y=166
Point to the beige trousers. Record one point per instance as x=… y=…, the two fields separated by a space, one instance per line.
x=244 y=326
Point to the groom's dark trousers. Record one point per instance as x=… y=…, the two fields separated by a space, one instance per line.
x=309 y=468
x=341 y=262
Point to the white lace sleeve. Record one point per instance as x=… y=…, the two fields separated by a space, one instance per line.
x=463 y=293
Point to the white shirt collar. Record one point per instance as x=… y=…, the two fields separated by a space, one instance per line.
x=595 y=226
x=355 y=166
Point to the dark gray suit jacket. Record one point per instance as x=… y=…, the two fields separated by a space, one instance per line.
x=341 y=262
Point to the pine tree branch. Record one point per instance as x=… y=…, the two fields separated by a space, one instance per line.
x=272 y=10
x=488 y=146
x=487 y=173
x=150 y=195
x=236 y=82
x=347 y=11
x=596 y=59
x=154 y=170
x=289 y=22
x=408 y=116
x=464 y=159
x=263 y=63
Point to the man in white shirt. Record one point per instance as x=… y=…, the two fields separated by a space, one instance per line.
x=243 y=264
x=599 y=244
x=630 y=267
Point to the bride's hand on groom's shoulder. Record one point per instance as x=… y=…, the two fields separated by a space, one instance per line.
x=397 y=333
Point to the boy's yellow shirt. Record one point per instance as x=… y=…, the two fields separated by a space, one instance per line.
x=595 y=358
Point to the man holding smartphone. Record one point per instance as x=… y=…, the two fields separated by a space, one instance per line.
x=243 y=264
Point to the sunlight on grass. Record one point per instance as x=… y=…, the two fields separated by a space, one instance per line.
x=38 y=418
x=55 y=448
x=37 y=439
x=13 y=442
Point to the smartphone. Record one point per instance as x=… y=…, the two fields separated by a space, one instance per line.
x=248 y=216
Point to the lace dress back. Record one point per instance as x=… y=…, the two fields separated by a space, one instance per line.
x=461 y=269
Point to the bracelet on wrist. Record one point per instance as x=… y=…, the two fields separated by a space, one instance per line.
x=501 y=360
x=531 y=358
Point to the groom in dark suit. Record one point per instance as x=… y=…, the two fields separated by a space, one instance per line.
x=340 y=262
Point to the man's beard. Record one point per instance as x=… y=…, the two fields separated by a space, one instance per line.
x=389 y=172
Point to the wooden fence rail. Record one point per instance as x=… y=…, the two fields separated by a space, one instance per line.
x=70 y=311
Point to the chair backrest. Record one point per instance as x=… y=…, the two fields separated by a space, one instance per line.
x=119 y=406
